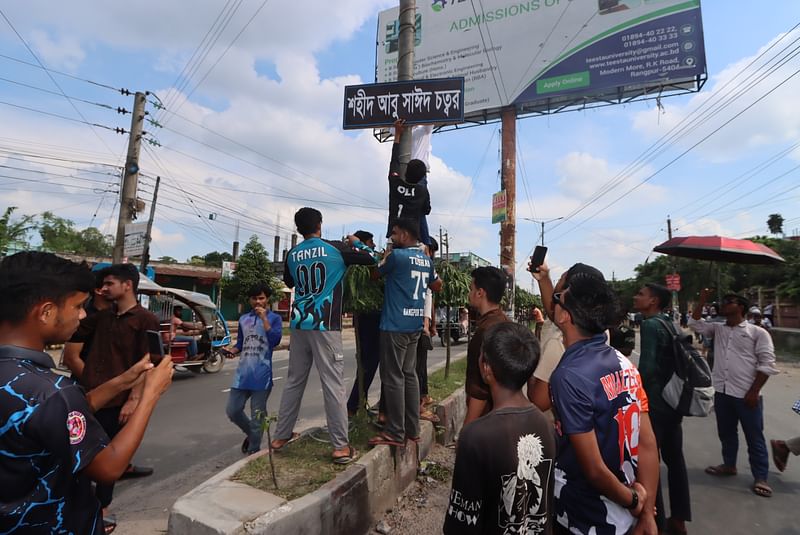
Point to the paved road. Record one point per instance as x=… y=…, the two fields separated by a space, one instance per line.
x=190 y=438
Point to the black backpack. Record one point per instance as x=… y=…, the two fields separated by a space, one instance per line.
x=688 y=391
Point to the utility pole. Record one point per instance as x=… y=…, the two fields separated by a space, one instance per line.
x=236 y=243
x=405 y=65
x=508 y=181
x=675 y=301
x=130 y=180
x=148 y=235
x=444 y=246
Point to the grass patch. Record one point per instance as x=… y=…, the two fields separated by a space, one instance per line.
x=305 y=465
x=439 y=387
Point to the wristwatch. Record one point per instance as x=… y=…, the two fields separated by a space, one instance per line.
x=634 y=499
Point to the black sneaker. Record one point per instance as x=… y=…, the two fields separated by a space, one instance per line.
x=246 y=445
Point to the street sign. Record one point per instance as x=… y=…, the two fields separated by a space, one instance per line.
x=228 y=269
x=673 y=282
x=499 y=207
x=437 y=101
x=135 y=238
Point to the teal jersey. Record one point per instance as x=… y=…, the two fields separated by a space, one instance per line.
x=407 y=273
x=315 y=269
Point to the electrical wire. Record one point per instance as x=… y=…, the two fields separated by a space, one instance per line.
x=60 y=73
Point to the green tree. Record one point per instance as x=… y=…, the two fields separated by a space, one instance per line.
x=60 y=235
x=167 y=260
x=253 y=267
x=14 y=232
x=216 y=258
x=775 y=223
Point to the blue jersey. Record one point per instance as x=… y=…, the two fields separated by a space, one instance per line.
x=255 y=345
x=315 y=269
x=595 y=388
x=407 y=273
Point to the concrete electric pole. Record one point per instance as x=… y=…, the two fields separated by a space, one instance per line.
x=508 y=180
x=405 y=65
x=127 y=202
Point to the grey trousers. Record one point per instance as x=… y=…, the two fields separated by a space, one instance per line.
x=400 y=386
x=324 y=350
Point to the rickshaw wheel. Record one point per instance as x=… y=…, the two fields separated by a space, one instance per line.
x=214 y=363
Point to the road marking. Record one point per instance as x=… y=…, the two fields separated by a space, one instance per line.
x=226 y=389
x=276 y=379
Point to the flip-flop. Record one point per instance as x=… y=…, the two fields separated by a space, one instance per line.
x=760 y=488
x=384 y=440
x=721 y=470
x=415 y=440
x=295 y=436
x=428 y=415
x=348 y=458
x=109 y=523
x=134 y=471
x=780 y=454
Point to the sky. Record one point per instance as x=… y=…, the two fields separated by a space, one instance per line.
x=252 y=132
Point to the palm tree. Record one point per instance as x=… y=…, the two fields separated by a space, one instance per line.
x=12 y=232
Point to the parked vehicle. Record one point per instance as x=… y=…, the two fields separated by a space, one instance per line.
x=455 y=326
x=213 y=336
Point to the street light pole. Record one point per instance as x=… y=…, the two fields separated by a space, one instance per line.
x=543 y=223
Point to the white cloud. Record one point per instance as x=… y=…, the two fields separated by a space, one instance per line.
x=773 y=120
x=63 y=52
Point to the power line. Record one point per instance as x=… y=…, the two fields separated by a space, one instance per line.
x=43 y=90
x=60 y=73
x=64 y=117
x=49 y=75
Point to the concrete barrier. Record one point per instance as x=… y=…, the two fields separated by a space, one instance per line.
x=347 y=504
x=451 y=413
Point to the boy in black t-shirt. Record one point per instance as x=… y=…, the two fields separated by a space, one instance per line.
x=503 y=477
x=408 y=195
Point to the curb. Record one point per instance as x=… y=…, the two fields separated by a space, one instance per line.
x=349 y=503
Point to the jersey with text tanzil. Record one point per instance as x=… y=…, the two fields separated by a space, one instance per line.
x=315 y=269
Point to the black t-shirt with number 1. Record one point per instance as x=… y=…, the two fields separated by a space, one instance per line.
x=406 y=201
x=503 y=477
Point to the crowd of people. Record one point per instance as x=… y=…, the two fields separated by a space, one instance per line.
x=562 y=434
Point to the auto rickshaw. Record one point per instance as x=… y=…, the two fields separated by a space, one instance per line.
x=212 y=330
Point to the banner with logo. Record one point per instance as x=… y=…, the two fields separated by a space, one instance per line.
x=536 y=52
x=499 y=211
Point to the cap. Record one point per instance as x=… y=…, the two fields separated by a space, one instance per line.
x=754 y=310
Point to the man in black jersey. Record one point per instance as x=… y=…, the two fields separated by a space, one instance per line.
x=408 y=195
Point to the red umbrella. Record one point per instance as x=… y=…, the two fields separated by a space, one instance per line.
x=720 y=249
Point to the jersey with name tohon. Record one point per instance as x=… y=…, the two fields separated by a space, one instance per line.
x=407 y=273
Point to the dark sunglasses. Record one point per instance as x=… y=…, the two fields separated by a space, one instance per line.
x=557 y=300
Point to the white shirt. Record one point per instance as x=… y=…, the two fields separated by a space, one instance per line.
x=428 y=307
x=739 y=352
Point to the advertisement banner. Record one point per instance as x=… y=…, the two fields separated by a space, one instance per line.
x=499 y=207
x=533 y=53
x=673 y=282
x=135 y=238
x=417 y=101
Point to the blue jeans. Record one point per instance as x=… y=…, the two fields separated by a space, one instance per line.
x=369 y=340
x=191 y=349
x=258 y=411
x=730 y=412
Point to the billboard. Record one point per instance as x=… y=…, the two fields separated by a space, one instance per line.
x=545 y=55
x=416 y=101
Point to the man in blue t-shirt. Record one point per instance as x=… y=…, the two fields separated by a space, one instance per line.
x=260 y=332
x=607 y=465
x=315 y=269
x=408 y=272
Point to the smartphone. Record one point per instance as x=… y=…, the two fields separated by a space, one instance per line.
x=537 y=258
x=155 y=346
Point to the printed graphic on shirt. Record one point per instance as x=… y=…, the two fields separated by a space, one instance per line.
x=523 y=505
x=408 y=273
x=76 y=425
x=317 y=269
